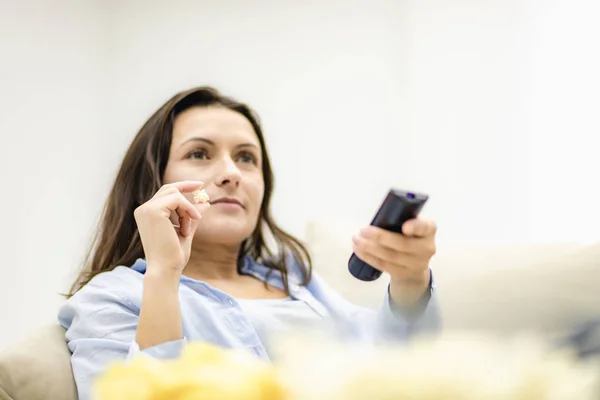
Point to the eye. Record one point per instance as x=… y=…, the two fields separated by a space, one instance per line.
x=198 y=154
x=247 y=157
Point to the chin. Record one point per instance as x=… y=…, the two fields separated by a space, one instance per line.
x=224 y=232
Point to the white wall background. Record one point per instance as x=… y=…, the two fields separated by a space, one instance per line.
x=52 y=81
x=489 y=106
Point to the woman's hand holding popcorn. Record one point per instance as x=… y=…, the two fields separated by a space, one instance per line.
x=166 y=245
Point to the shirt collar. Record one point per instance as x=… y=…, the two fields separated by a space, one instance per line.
x=139 y=265
x=249 y=266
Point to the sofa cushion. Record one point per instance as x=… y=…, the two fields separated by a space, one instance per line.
x=494 y=286
x=551 y=293
x=37 y=368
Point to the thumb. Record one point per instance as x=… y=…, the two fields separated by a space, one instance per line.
x=194 y=223
x=193 y=226
x=202 y=207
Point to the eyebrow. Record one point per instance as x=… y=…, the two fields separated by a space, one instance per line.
x=210 y=142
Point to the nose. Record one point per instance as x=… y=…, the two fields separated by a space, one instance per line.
x=229 y=173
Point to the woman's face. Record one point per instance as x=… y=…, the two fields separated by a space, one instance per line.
x=219 y=147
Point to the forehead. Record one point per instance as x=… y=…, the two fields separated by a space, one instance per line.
x=214 y=123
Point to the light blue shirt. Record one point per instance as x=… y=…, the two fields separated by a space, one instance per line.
x=101 y=319
x=274 y=318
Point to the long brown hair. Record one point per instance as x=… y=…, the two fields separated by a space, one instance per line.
x=117 y=241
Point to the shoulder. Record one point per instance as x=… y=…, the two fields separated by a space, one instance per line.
x=121 y=282
x=118 y=278
x=120 y=288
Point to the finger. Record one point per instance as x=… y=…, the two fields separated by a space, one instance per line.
x=419 y=227
x=392 y=259
x=184 y=223
x=202 y=207
x=178 y=203
x=183 y=187
x=194 y=226
x=188 y=225
x=393 y=269
x=399 y=243
x=391 y=240
x=370 y=259
x=186 y=186
x=375 y=249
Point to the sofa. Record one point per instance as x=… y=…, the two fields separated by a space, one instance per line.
x=38 y=367
x=496 y=287
x=501 y=288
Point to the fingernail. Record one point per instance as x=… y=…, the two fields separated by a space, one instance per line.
x=367 y=232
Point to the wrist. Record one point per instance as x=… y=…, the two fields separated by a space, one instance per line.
x=161 y=278
x=408 y=292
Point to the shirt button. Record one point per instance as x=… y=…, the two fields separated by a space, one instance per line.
x=230 y=301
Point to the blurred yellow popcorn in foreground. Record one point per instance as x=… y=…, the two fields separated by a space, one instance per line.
x=451 y=367
x=202 y=372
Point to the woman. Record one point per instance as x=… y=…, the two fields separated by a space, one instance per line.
x=164 y=270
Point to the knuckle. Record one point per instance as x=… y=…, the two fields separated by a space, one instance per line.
x=181 y=197
x=391 y=255
x=365 y=245
x=376 y=232
x=385 y=266
x=140 y=211
x=171 y=190
x=364 y=256
x=183 y=202
x=399 y=243
x=431 y=249
x=432 y=231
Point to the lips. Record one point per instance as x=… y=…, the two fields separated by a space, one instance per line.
x=227 y=200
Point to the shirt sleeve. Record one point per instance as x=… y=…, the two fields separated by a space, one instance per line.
x=395 y=324
x=100 y=329
x=387 y=324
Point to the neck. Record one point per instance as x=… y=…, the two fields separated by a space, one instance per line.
x=210 y=262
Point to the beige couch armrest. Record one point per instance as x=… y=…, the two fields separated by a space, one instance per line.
x=4 y=395
x=37 y=368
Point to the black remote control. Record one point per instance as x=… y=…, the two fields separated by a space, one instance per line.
x=398 y=207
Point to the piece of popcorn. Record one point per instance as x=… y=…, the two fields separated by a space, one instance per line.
x=200 y=196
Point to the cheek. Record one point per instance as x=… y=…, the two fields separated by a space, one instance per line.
x=167 y=175
x=167 y=178
x=178 y=171
x=256 y=193
x=173 y=173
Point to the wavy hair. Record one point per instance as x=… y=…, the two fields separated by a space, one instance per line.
x=117 y=241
